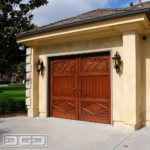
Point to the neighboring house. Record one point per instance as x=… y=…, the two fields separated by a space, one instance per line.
x=79 y=80
x=8 y=79
x=13 y=78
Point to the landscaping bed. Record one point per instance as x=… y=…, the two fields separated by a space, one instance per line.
x=12 y=101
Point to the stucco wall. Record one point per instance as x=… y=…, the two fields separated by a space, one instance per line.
x=139 y=98
x=111 y=43
x=146 y=80
x=129 y=89
x=32 y=83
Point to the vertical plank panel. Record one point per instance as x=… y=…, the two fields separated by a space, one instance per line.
x=86 y=87
x=61 y=85
x=97 y=86
x=88 y=90
x=94 y=81
x=95 y=107
x=63 y=79
x=51 y=91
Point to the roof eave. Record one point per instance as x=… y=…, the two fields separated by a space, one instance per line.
x=118 y=15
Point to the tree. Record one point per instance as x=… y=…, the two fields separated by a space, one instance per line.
x=15 y=18
x=19 y=69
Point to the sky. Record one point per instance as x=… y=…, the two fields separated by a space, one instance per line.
x=57 y=10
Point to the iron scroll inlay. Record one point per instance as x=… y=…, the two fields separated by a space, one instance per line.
x=64 y=66
x=94 y=65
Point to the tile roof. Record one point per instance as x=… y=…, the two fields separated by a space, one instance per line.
x=95 y=15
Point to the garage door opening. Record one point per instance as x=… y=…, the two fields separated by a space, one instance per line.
x=80 y=87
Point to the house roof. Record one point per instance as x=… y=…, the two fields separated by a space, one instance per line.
x=89 y=17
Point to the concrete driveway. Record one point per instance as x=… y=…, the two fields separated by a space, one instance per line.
x=76 y=135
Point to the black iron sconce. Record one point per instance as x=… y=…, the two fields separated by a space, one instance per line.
x=40 y=66
x=117 y=59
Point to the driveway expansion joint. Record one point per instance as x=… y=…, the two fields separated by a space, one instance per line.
x=122 y=141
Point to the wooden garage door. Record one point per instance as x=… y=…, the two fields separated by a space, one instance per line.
x=64 y=81
x=80 y=88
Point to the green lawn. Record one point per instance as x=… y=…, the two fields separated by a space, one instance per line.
x=13 y=92
x=12 y=99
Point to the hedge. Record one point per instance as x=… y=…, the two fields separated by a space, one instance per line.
x=8 y=106
x=4 y=82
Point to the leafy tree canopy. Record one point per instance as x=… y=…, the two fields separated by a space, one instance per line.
x=16 y=17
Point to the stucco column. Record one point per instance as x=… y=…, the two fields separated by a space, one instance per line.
x=33 y=108
x=131 y=78
x=43 y=88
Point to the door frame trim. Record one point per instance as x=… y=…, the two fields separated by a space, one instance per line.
x=47 y=70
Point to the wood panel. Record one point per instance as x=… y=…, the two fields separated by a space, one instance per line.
x=64 y=96
x=94 y=85
x=80 y=88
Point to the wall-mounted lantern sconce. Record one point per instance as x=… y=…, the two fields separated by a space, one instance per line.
x=117 y=59
x=40 y=66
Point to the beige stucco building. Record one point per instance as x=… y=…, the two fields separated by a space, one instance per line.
x=93 y=35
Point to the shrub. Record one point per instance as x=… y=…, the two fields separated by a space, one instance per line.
x=19 y=105
x=8 y=106
x=4 y=82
